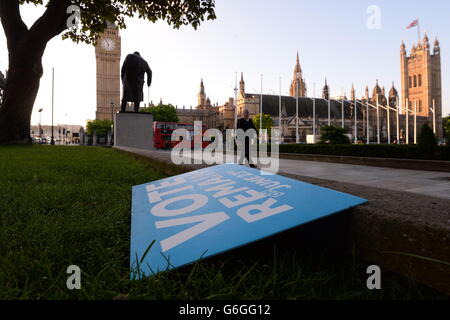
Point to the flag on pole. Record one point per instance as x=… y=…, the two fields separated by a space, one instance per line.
x=413 y=24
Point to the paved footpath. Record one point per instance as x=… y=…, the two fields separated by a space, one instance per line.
x=435 y=184
x=431 y=183
x=406 y=216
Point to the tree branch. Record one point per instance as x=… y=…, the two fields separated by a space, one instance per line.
x=51 y=23
x=12 y=22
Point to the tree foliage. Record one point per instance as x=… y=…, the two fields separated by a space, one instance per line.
x=267 y=122
x=333 y=135
x=446 y=127
x=427 y=141
x=101 y=127
x=94 y=15
x=162 y=112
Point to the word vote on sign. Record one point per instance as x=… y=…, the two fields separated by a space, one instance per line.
x=179 y=220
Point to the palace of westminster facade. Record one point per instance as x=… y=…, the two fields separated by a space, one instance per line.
x=420 y=85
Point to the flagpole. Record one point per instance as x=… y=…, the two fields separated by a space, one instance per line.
x=415 y=122
x=356 y=121
x=397 y=102
x=297 y=138
x=368 y=132
x=418 y=27
x=378 y=121
x=279 y=111
x=261 y=107
x=329 y=111
x=235 y=101
x=388 y=121
x=434 y=116
x=314 y=112
x=342 y=109
x=407 y=121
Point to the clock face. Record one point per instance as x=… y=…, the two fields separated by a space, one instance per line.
x=108 y=44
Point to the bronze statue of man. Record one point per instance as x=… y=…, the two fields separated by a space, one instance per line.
x=133 y=71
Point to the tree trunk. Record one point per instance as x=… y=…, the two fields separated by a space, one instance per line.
x=23 y=79
x=25 y=47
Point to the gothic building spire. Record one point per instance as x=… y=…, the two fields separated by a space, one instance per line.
x=242 y=84
x=426 y=42
x=298 y=85
x=393 y=92
x=202 y=95
x=326 y=91
x=436 y=48
x=202 y=87
x=297 y=66
x=393 y=95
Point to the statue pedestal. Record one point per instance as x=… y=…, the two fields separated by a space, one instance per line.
x=133 y=130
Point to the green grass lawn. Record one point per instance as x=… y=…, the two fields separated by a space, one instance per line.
x=62 y=206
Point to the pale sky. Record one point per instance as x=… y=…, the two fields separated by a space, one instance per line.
x=255 y=37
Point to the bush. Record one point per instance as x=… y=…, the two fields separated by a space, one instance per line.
x=375 y=151
x=102 y=127
x=427 y=141
x=333 y=135
x=446 y=127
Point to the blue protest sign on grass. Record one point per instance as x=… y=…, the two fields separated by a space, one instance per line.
x=179 y=220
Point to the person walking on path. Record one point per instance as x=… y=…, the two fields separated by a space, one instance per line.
x=246 y=123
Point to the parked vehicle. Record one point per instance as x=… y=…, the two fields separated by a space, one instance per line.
x=162 y=134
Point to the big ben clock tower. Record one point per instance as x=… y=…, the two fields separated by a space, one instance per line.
x=108 y=53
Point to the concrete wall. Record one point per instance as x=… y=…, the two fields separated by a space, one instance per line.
x=133 y=130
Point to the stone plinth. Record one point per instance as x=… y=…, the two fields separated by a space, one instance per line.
x=133 y=130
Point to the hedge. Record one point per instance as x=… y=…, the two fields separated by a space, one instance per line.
x=377 y=151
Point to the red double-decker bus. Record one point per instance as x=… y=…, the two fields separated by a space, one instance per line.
x=162 y=134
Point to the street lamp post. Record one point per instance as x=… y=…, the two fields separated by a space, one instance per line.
x=433 y=110
x=112 y=111
x=40 y=122
x=53 y=103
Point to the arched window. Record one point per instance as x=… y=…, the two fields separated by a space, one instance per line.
x=415 y=81
x=420 y=80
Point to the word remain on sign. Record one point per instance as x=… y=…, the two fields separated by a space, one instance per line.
x=179 y=220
